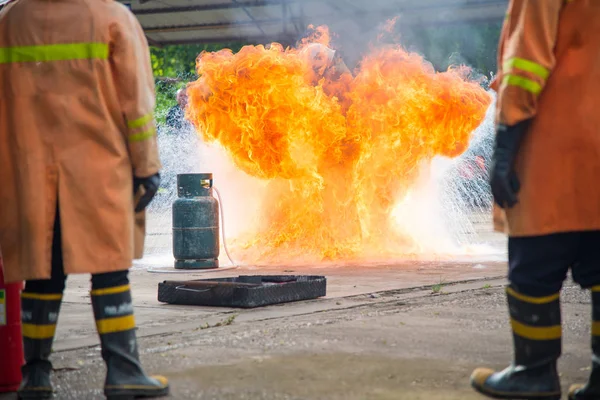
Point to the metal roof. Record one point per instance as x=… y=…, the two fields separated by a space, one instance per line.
x=264 y=21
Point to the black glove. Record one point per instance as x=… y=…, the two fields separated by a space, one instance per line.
x=150 y=186
x=503 y=179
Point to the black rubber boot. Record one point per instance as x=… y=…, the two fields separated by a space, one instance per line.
x=39 y=313
x=536 y=324
x=125 y=378
x=591 y=391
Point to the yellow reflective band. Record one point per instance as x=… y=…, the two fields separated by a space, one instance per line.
x=136 y=123
x=39 y=296
x=523 y=83
x=32 y=331
x=54 y=52
x=118 y=324
x=139 y=137
x=596 y=288
x=110 y=290
x=526 y=65
x=535 y=333
x=532 y=300
x=596 y=328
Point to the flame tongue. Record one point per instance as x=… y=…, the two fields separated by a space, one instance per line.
x=338 y=154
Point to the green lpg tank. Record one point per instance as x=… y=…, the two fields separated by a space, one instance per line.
x=195 y=223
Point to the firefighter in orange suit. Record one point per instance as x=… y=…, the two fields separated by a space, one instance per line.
x=324 y=61
x=545 y=185
x=77 y=141
x=327 y=64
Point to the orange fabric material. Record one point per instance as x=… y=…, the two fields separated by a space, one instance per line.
x=66 y=130
x=559 y=161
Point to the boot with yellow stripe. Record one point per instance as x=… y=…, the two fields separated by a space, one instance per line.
x=125 y=378
x=537 y=334
x=39 y=314
x=591 y=391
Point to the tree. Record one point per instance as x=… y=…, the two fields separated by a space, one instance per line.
x=472 y=45
x=173 y=67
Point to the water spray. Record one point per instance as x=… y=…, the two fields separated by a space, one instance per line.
x=306 y=219
x=233 y=263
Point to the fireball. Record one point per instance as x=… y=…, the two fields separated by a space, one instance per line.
x=337 y=150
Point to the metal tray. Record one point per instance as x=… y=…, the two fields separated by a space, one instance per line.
x=246 y=291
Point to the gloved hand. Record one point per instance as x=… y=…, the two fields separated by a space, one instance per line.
x=503 y=179
x=150 y=186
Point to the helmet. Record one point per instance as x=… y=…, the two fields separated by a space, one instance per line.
x=318 y=56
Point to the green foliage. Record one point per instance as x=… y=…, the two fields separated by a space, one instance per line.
x=180 y=61
x=438 y=287
x=173 y=67
x=472 y=45
x=165 y=98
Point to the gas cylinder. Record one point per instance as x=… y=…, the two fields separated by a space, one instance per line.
x=195 y=223
x=11 y=341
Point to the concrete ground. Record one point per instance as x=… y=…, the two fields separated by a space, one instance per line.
x=412 y=330
x=402 y=344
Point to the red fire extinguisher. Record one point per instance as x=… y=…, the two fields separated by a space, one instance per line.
x=11 y=342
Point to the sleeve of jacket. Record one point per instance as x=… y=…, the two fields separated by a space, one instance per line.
x=132 y=72
x=526 y=57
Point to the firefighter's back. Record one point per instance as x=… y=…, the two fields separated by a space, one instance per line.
x=57 y=66
x=71 y=72
x=560 y=156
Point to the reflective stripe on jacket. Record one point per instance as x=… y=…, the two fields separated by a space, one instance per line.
x=76 y=104
x=549 y=58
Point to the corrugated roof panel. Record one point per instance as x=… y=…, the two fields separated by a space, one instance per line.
x=167 y=22
x=192 y=17
x=247 y=31
x=151 y=4
x=273 y=11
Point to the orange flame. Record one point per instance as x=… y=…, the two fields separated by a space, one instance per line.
x=319 y=34
x=339 y=153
